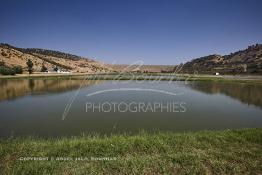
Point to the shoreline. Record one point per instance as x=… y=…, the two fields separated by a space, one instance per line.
x=141 y=77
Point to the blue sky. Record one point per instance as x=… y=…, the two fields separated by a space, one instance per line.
x=154 y=31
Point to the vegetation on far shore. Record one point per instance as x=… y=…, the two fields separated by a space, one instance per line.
x=140 y=77
x=205 y=152
x=5 y=70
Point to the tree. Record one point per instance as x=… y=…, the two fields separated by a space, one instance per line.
x=30 y=65
x=4 y=54
x=55 y=69
x=18 y=69
x=43 y=69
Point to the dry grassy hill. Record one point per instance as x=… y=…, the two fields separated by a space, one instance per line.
x=13 y=56
x=248 y=61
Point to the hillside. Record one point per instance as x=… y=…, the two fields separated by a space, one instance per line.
x=141 y=68
x=248 y=61
x=13 y=56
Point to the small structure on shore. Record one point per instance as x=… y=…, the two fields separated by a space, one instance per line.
x=217 y=73
x=59 y=71
x=63 y=71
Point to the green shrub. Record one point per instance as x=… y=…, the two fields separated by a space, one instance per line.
x=6 y=70
x=18 y=69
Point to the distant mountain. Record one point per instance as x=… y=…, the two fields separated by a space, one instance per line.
x=13 y=56
x=248 y=61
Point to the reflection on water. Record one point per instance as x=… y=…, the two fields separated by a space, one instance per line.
x=14 y=88
x=246 y=93
x=11 y=89
x=209 y=106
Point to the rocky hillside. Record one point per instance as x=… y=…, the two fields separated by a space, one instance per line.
x=248 y=61
x=13 y=56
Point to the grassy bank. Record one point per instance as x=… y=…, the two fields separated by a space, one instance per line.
x=207 y=152
x=141 y=77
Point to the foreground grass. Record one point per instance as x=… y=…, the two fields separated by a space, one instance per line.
x=207 y=152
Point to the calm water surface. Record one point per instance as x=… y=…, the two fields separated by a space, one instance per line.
x=36 y=106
